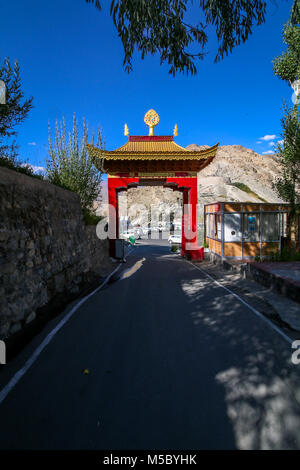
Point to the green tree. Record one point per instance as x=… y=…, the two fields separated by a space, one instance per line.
x=159 y=26
x=69 y=164
x=288 y=184
x=15 y=109
x=287 y=67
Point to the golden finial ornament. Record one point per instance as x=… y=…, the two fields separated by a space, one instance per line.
x=175 y=130
x=151 y=119
x=126 y=130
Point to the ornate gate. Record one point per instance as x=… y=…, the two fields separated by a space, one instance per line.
x=146 y=159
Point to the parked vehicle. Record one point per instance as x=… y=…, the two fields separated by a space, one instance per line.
x=174 y=239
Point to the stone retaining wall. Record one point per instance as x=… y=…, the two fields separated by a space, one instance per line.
x=45 y=248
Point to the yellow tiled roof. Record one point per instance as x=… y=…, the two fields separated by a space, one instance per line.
x=136 y=149
x=146 y=147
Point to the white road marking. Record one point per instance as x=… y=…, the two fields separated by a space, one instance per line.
x=130 y=271
x=18 y=375
x=260 y=315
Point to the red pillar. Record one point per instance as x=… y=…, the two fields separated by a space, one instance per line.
x=114 y=187
x=185 y=220
x=112 y=215
x=189 y=244
x=193 y=201
x=188 y=187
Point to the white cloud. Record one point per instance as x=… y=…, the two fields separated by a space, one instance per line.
x=31 y=143
x=280 y=142
x=268 y=152
x=266 y=138
x=259 y=142
x=35 y=168
x=272 y=144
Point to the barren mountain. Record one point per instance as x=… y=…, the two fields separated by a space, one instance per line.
x=236 y=174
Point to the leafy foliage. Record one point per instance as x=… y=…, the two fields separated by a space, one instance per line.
x=10 y=152
x=287 y=65
x=286 y=254
x=11 y=161
x=288 y=184
x=91 y=218
x=70 y=165
x=295 y=16
x=159 y=26
x=14 y=111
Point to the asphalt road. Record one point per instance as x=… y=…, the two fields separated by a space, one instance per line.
x=174 y=362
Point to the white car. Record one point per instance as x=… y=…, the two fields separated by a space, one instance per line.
x=174 y=239
x=127 y=234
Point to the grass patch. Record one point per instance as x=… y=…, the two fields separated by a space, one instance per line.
x=246 y=189
x=286 y=254
x=90 y=218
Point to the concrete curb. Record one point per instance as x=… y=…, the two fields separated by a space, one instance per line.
x=281 y=310
x=284 y=286
x=257 y=272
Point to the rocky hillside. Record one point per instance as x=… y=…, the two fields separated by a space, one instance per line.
x=236 y=174
x=164 y=201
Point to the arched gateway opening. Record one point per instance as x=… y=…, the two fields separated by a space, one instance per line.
x=151 y=160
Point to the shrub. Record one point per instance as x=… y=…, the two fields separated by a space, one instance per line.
x=286 y=254
x=70 y=165
x=13 y=164
x=90 y=218
x=246 y=189
x=13 y=109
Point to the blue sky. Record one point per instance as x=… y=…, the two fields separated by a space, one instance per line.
x=72 y=61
